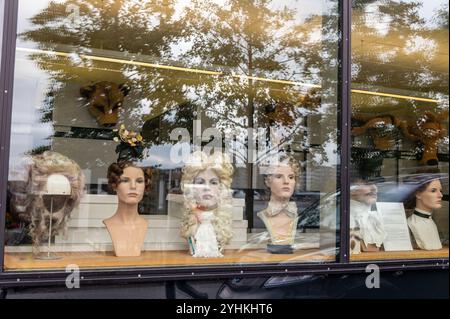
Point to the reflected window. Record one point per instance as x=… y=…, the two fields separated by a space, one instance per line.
x=399 y=130
x=184 y=133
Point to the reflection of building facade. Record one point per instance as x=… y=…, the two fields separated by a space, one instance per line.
x=266 y=83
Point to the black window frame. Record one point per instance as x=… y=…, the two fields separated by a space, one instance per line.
x=342 y=264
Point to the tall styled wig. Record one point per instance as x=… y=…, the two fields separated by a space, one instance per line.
x=221 y=165
x=28 y=196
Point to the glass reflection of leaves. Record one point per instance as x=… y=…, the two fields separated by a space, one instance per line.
x=247 y=38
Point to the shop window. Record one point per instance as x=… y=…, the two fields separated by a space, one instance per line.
x=218 y=117
x=399 y=192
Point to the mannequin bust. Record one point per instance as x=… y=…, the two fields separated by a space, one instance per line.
x=428 y=197
x=366 y=225
x=126 y=227
x=281 y=216
x=207 y=217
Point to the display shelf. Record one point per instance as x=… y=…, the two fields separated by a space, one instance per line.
x=387 y=255
x=26 y=262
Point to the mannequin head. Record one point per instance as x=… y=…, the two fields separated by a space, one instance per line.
x=206 y=183
x=364 y=192
x=281 y=179
x=206 y=188
x=131 y=185
x=424 y=189
x=128 y=181
x=429 y=196
x=206 y=180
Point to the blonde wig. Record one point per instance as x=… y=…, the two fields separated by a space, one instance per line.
x=220 y=164
x=28 y=196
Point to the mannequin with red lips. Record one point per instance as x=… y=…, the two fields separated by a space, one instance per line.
x=206 y=195
x=126 y=227
x=207 y=218
x=366 y=225
x=281 y=217
x=428 y=198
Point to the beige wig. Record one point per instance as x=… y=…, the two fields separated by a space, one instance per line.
x=27 y=196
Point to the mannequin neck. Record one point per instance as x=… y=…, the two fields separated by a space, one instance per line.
x=423 y=208
x=126 y=213
x=279 y=200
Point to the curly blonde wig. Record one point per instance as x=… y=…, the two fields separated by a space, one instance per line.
x=221 y=166
x=30 y=199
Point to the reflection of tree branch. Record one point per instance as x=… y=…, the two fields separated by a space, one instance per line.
x=272 y=55
x=241 y=67
x=285 y=61
x=261 y=158
x=224 y=116
x=238 y=34
x=231 y=40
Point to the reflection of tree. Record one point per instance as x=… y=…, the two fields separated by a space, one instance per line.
x=252 y=40
x=406 y=51
x=119 y=25
x=247 y=42
x=124 y=26
x=397 y=50
x=156 y=130
x=236 y=38
x=441 y=17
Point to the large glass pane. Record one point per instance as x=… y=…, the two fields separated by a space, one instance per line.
x=399 y=206
x=226 y=109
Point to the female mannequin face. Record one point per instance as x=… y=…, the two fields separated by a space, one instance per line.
x=206 y=188
x=132 y=185
x=281 y=183
x=431 y=197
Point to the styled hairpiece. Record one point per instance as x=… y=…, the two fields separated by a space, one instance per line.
x=27 y=195
x=131 y=145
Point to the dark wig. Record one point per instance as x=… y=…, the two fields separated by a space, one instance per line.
x=419 y=182
x=115 y=171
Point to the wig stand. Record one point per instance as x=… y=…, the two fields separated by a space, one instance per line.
x=49 y=255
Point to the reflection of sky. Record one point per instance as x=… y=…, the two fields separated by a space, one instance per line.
x=381 y=22
x=159 y=156
x=28 y=9
x=27 y=131
x=304 y=7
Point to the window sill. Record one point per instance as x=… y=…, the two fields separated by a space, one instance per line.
x=388 y=255
x=24 y=261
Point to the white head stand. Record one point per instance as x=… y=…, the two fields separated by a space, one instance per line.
x=57 y=184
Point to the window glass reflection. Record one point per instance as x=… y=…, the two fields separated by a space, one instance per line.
x=399 y=128
x=170 y=86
